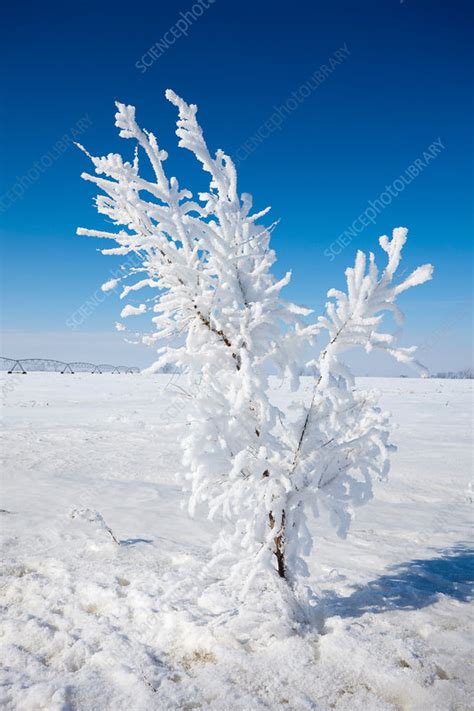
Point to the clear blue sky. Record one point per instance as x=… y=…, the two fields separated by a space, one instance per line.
x=404 y=84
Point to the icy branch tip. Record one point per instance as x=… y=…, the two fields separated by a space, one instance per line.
x=179 y=102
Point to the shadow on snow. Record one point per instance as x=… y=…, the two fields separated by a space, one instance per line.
x=410 y=586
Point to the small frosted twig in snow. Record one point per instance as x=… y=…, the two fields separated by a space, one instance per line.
x=94 y=517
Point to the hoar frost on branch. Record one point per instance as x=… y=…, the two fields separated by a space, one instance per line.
x=219 y=316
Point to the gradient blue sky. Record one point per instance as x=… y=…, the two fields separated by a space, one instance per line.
x=406 y=83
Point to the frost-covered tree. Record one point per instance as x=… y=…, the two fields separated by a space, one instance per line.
x=219 y=316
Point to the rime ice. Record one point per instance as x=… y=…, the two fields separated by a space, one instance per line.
x=219 y=315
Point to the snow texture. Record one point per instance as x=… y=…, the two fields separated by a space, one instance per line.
x=138 y=622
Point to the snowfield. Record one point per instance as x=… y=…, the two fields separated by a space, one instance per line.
x=90 y=624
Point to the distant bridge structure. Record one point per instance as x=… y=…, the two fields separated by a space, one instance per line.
x=47 y=365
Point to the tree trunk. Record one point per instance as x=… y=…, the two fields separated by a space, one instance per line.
x=279 y=541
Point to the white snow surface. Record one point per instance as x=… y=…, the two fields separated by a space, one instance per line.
x=91 y=624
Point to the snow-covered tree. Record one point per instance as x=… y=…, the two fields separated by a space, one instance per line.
x=219 y=316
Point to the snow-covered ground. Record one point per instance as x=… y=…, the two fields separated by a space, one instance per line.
x=89 y=624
